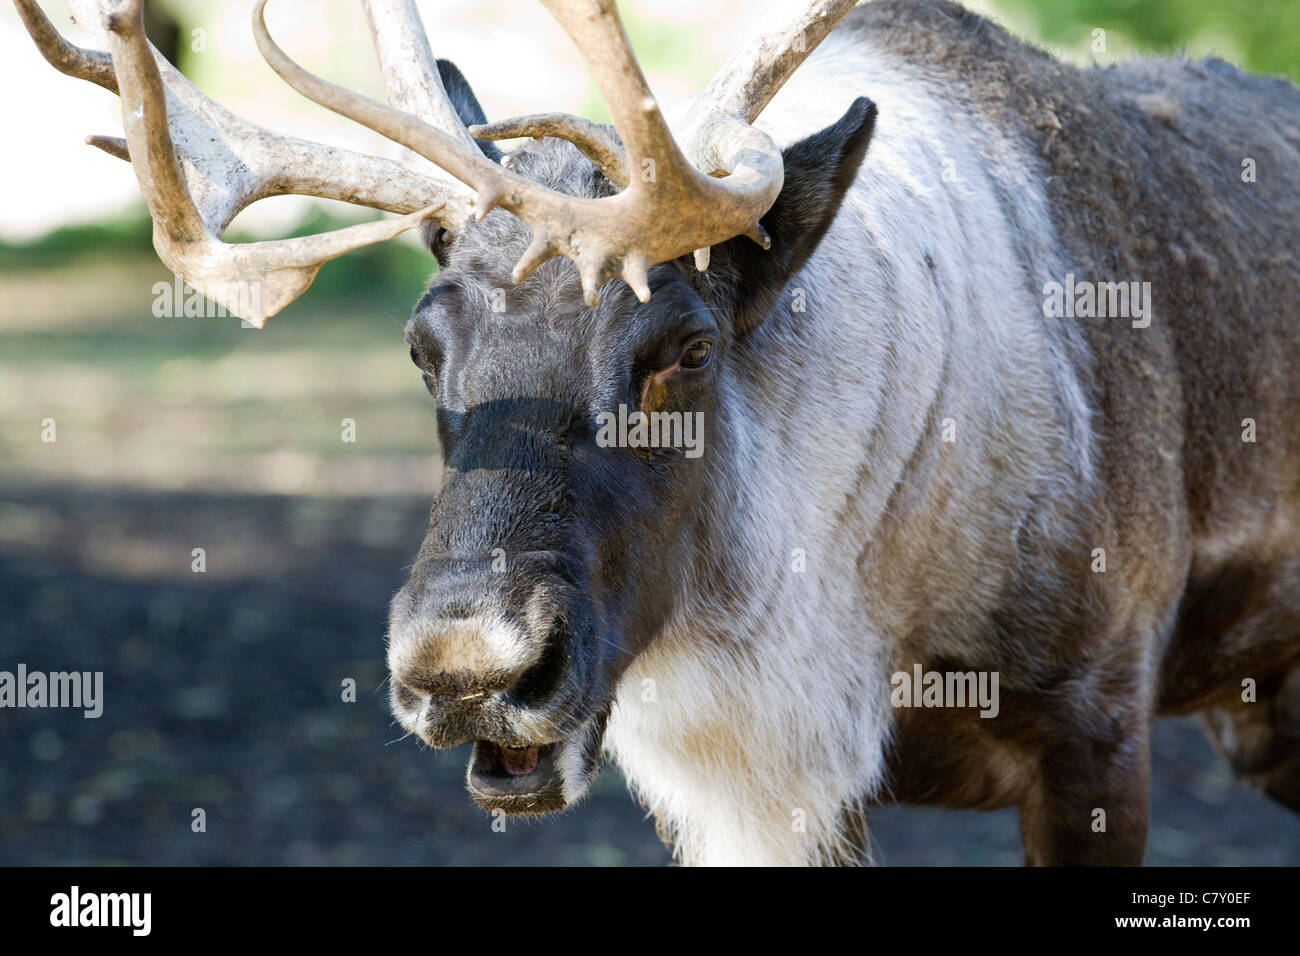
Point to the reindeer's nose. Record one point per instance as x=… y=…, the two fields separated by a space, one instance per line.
x=455 y=659
x=469 y=647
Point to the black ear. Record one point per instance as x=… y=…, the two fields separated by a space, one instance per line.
x=466 y=104
x=746 y=280
x=467 y=107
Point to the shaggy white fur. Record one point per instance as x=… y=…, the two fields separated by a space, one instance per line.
x=770 y=715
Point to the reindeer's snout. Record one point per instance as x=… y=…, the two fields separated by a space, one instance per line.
x=451 y=660
x=493 y=657
x=477 y=653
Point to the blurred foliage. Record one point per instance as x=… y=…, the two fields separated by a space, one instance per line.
x=1262 y=36
x=127 y=234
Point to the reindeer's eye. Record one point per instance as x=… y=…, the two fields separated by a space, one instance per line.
x=697 y=354
x=425 y=373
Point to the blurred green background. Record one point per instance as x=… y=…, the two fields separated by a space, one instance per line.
x=223 y=687
x=1257 y=35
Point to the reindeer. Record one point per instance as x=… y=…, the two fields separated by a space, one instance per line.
x=914 y=461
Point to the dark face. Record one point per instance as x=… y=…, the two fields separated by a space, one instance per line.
x=547 y=564
x=583 y=449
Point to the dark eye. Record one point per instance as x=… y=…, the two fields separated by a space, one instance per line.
x=425 y=374
x=696 y=354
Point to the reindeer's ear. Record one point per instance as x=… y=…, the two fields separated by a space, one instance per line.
x=467 y=107
x=746 y=280
x=466 y=104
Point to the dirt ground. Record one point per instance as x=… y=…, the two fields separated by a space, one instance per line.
x=223 y=692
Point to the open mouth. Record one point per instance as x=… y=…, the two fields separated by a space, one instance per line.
x=536 y=779
x=516 y=779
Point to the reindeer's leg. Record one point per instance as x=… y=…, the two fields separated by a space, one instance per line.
x=1262 y=737
x=1089 y=805
x=1236 y=660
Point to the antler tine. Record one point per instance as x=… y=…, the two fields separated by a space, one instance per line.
x=406 y=62
x=751 y=76
x=596 y=30
x=593 y=140
x=67 y=58
x=144 y=116
x=718 y=123
x=113 y=145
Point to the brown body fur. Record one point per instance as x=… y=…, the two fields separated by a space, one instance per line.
x=1201 y=530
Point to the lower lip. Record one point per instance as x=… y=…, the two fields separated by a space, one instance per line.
x=520 y=786
x=496 y=772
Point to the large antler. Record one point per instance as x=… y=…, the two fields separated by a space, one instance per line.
x=199 y=165
x=670 y=206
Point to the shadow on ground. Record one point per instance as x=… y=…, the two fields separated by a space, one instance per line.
x=223 y=691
